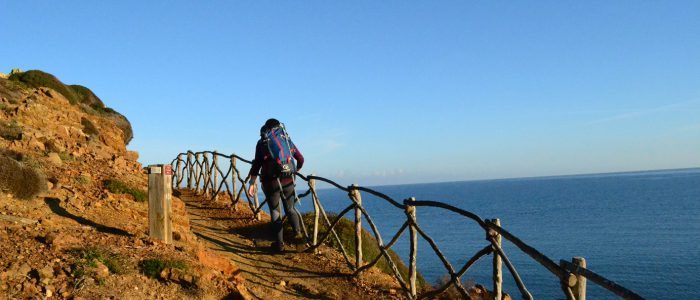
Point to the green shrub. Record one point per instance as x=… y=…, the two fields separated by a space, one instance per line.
x=119 y=187
x=83 y=180
x=4 y=107
x=88 y=127
x=77 y=95
x=19 y=179
x=87 y=97
x=36 y=78
x=153 y=267
x=10 y=131
x=88 y=258
x=346 y=232
x=65 y=156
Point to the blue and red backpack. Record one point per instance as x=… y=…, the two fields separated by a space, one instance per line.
x=280 y=147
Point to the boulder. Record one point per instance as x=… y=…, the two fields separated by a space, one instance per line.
x=55 y=159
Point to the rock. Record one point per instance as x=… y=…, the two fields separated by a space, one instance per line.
x=216 y=262
x=55 y=159
x=165 y=274
x=101 y=271
x=61 y=241
x=46 y=274
x=24 y=269
x=282 y=283
x=35 y=144
x=187 y=279
x=132 y=155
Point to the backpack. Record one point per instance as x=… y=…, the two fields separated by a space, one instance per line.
x=280 y=147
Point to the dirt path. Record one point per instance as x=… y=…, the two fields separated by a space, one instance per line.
x=288 y=275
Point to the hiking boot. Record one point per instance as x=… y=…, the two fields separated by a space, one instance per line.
x=299 y=239
x=277 y=247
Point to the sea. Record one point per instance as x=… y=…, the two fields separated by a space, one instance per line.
x=638 y=229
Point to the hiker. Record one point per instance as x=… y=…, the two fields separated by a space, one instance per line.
x=277 y=174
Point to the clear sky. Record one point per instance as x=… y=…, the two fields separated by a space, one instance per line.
x=378 y=92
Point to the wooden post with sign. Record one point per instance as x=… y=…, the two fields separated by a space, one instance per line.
x=160 y=202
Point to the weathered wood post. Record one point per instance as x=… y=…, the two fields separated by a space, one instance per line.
x=497 y=265
x=358 y=225
x=190 y=172
x=197 y=172
x=412 y=272
x=178 y=172
x=205 y=174
x=317 y=214
x=215 y=170
x=160 y=202
x=234 y=176
x=580 y=287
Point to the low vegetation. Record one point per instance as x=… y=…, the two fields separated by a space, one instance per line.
x=10 y=131
x=119 y=187
x=346 y=232
x=88 y=127
x=87 y=259
x=20 y=180
x=76 y=95
x=154 y=266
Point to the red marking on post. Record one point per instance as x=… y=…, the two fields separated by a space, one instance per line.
x=168 y=170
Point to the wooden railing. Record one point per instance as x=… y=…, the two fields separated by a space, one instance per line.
x=204 y=175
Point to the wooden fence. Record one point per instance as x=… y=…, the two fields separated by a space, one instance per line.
x=201 y=172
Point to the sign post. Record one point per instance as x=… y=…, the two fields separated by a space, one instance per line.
x=160 y=202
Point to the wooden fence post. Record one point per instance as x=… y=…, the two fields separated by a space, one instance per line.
x=358 y=225
x=216 y=175
x=190 y=172
x=159 y=202
x=234 y=176
x=197 y=172
x=206 y=177
x=580 y=287
x=497 y=265
x=312 y=186
x=412 y=272
x=178 y=172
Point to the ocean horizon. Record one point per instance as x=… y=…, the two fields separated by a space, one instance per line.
x=623 y=223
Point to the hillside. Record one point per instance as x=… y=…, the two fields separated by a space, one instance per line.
x=73 y=209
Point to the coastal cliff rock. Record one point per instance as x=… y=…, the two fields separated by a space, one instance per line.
x=78 y=229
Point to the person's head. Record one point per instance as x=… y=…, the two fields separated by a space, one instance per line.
x=269 y=124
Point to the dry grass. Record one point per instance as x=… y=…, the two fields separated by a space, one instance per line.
x=20 y=180
x=88 y=127
x=10 y=131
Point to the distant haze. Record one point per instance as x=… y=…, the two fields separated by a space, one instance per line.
x=387 y=92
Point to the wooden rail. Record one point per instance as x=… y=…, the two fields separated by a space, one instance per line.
x=204 y=175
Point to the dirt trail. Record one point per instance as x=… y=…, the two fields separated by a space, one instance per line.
x=304 y=275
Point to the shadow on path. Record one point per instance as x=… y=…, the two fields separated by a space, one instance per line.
x=56 y=208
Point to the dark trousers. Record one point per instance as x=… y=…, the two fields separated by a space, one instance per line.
x=274 y=197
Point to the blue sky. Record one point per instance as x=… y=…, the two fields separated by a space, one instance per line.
x=386 y=92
